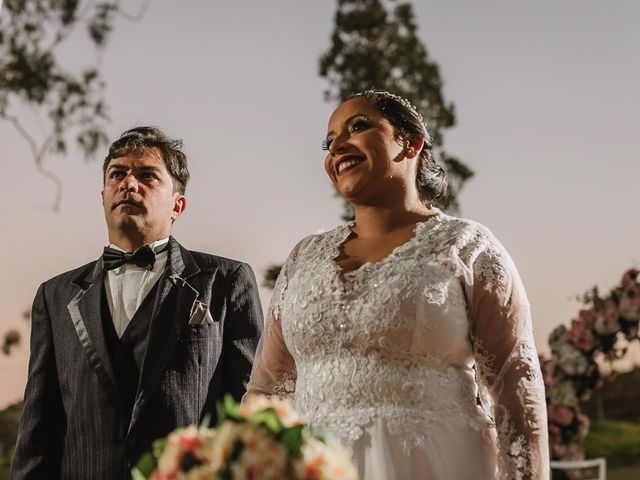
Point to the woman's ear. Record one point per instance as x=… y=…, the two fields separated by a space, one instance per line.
x=413 y=146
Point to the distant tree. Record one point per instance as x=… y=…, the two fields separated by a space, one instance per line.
x=11 y=339
x=375 y=44
x=68 y=106
x=9 y=419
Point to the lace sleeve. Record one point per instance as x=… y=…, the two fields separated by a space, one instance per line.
x=507 y=363
x=274 y=370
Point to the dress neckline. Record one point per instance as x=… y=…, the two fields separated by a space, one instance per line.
x=345 y=231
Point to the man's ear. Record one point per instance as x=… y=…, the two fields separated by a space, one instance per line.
x=179 y=205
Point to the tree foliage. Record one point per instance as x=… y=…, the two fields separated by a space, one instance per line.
x=69 y=105
x=375 y=44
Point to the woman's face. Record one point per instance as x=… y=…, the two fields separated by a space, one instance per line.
x=364 y=152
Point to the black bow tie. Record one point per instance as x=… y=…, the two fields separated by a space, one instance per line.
x=143 y=257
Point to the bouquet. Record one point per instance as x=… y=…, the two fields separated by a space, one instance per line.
x=262 y=439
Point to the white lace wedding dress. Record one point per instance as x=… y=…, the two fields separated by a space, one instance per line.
x=423 y=362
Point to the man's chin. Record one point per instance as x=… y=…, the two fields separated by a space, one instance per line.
x=129 y=222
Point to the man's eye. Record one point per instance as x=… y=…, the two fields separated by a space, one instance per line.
x=117 y=174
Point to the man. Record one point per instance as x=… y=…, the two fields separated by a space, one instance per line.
x=143 y=340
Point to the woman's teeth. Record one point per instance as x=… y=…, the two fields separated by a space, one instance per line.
x=347 y=163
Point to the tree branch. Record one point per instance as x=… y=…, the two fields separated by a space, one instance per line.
x=38 y=155
x=64 y=33
x=134 y=17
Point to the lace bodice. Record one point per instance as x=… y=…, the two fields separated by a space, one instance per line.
x=439 y=328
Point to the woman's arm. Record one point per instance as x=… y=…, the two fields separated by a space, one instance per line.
x=507 y=364
x=274 y=370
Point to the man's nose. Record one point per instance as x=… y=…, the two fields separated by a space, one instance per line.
x=129 y=184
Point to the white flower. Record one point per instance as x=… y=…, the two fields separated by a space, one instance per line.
x=570 y=359
x=563 y=393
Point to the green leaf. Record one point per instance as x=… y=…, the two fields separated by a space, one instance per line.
x=269 y=418
x=158 y=446
x=231 y=409
x=221 y=414
x=206 y=421
x=144 y=467
x=291 y=438
x=136 y=475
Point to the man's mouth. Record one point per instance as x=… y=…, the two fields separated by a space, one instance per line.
x=127 y=203
x=347 y=163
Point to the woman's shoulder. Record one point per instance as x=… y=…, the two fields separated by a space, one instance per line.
x=466 y=237
x=325 y=236
x=456 y=230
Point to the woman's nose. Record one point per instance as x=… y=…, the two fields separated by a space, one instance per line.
x=337 y=144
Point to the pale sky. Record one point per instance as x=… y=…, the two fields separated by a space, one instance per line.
x=547 y=102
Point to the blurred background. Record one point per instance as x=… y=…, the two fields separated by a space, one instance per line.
x=534 y=107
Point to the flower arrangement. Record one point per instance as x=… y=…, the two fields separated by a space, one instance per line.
x=603 y=329
x=262 y=439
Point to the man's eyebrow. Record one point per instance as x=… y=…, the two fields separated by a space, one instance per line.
x=137 y=167
x=118 y=166
x=347 y=121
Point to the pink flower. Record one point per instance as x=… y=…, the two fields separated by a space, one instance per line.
x=588 y=317
x=551 y=373
x=190 y=442
x=560 y=414
x=554 y=433
x=583 y=426
x=580 y=333
x=630 y=278
x=570 y=451
x=630 y=302
x=607 y=317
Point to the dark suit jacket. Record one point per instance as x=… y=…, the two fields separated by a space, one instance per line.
x=74 y=425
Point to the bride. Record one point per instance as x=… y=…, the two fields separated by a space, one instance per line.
x=407 y=333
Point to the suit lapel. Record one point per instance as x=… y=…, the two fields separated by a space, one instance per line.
x=85 y=311
x=174 y=300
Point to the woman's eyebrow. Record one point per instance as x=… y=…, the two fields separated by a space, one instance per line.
x=348 y=120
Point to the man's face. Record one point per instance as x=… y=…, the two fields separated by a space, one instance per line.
x=138 y=197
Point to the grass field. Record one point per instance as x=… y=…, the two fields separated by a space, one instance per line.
x=619 y=443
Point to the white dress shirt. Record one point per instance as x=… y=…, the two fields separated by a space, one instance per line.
x=127 y=286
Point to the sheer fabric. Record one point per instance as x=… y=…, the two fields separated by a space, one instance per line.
x=423 y=362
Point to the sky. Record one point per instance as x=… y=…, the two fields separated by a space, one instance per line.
x=547 y=102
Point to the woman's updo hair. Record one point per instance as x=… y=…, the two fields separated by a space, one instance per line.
x=431 y=179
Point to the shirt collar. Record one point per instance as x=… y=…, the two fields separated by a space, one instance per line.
x=155 y=246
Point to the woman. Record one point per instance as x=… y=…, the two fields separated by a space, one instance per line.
x=407 y=333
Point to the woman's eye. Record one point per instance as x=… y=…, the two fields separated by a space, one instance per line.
x=326 y=143
x=359 y=125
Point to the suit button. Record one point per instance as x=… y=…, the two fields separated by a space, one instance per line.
x=119 y=354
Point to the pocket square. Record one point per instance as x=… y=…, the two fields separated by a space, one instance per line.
x=200 y=315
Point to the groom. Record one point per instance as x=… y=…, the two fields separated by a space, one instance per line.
x=143 y=340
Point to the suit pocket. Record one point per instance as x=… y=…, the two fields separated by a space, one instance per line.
x=199 y=332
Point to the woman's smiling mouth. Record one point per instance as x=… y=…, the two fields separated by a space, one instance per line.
x=347 y=163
